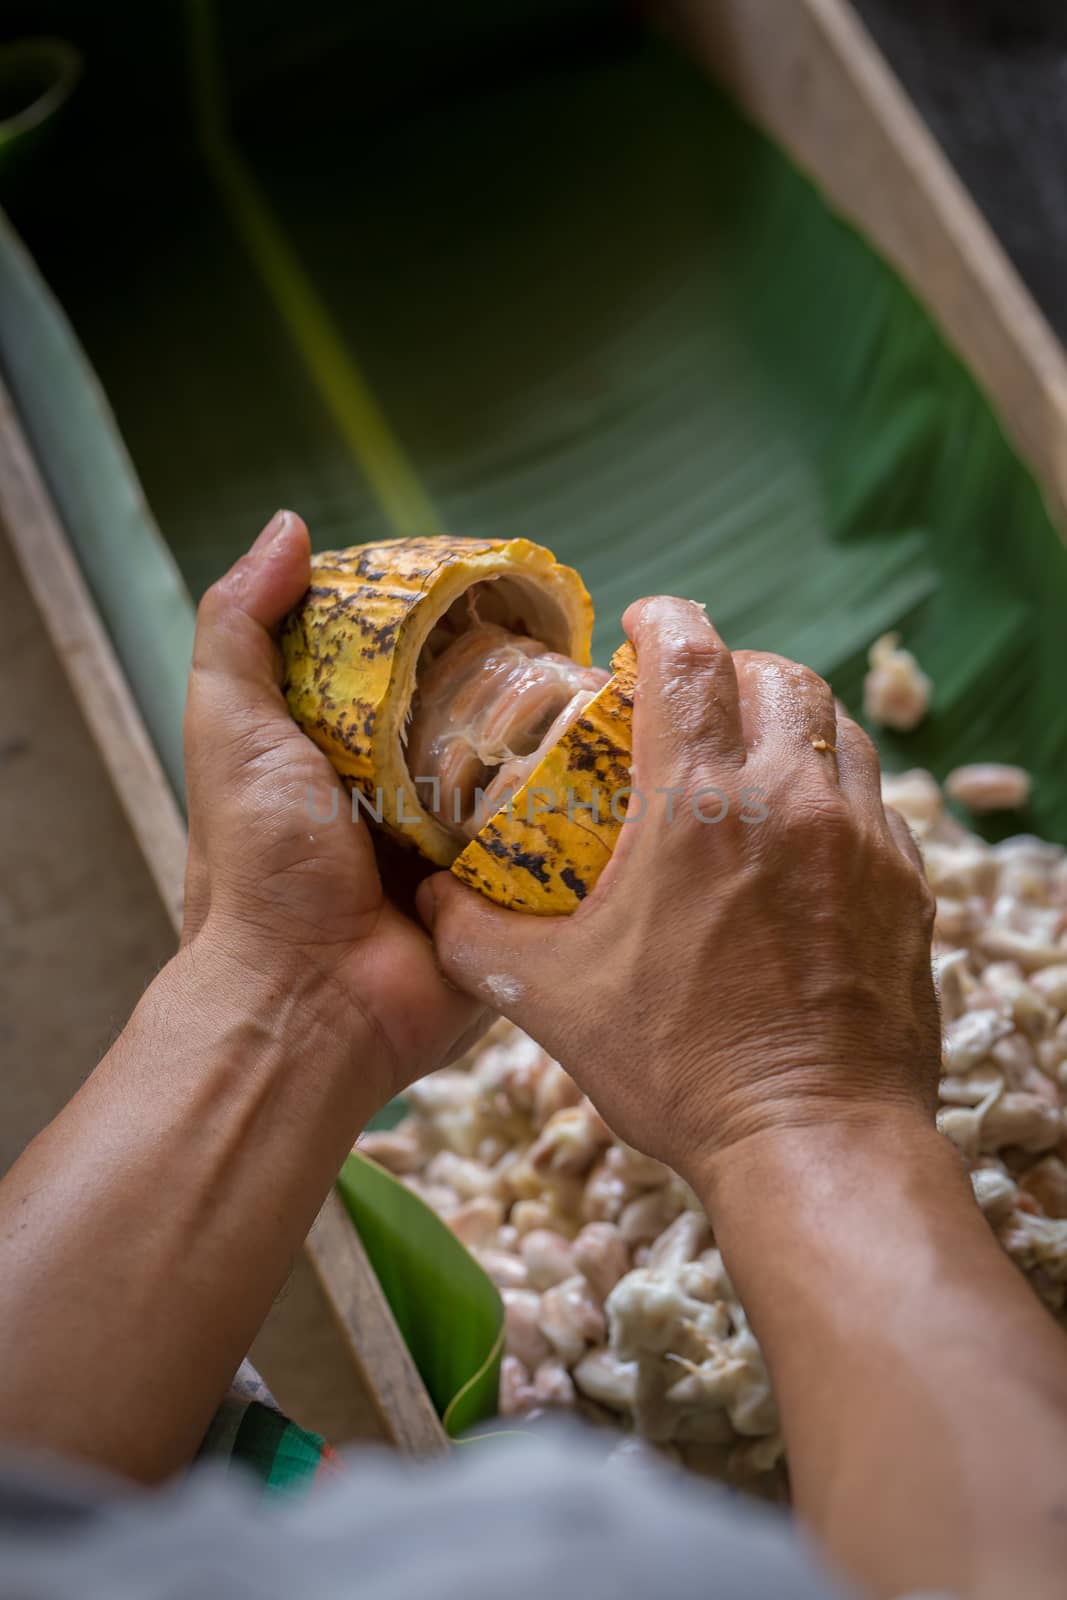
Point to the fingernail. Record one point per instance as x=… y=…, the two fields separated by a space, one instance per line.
x=426 y=903
x=275 y=528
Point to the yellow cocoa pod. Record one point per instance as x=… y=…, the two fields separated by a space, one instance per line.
x=545 y=851
x=353 y=650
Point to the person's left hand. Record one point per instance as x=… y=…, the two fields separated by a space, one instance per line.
x=273 y=890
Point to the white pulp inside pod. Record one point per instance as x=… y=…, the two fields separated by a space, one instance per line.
x=491 y=699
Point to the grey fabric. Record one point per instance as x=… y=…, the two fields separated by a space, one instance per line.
x=541 y=1520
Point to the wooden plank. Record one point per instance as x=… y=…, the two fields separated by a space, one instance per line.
x=82 y=929
x=359 y=1304
x=305 y=1360
x=810 y=73
x=55 y=581
x=371 y=1339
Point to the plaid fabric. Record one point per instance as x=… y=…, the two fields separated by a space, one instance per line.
x=249 y=1429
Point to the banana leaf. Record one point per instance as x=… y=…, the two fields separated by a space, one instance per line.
x=560 y=290
x=592 y=306
x=446 y=1308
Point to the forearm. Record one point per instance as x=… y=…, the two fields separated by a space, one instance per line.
x=923 y=1389
x=145 y=1233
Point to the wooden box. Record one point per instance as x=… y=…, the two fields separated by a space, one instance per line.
x=807 y=72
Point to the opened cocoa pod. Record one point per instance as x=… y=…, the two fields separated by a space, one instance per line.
x=448 y=680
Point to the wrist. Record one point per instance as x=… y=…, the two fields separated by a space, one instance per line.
x=837 y=1236
x=830 y=1190
x=234 y=998
x=864 y=1239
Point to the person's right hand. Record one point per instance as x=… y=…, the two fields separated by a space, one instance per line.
x=724 y=979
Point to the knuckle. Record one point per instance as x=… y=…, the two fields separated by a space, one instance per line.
x=807 y=681
x=703 y=801
x=681 y=638
x=858 y=739
x=819 y=816
x=819 y=833
x=859 y=745
x=689 y=654
x=794 y=673
x=811 y=831
x=903 y=875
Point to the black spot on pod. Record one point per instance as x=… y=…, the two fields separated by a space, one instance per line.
x=583 y=757
x=574 y=883
x=369 y=567
x=531 y=861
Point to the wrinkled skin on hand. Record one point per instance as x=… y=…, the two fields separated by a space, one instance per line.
x=268 y=887
x=731 y=977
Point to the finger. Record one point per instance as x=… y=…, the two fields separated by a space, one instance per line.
x=495 y=955
x=859 y=769
x=238 y=613
x=787 y=714
x=235 y=685
x=686 y=720
x=904 y=839
x=399 y=960
x=484 y=1018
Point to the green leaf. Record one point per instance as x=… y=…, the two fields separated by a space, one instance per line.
x=597 y=309
x=447 y=1309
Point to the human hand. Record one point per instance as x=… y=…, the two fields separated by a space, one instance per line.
x=730 y=978
x=272 y=891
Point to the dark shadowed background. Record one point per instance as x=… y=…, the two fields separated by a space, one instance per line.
x=990 y=79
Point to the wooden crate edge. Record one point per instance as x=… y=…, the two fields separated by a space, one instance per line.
x=70 y=618
x=810 y=73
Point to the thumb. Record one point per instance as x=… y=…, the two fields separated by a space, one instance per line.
x=501 y=957
x=238 y=613
x=235 y=684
